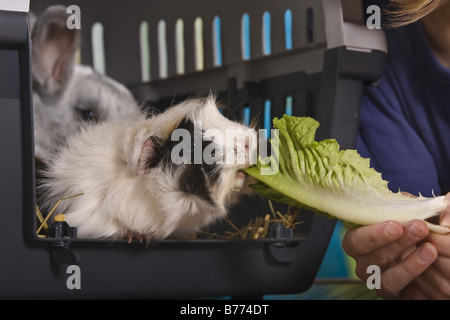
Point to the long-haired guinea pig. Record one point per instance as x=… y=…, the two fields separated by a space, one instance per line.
x=168 y=175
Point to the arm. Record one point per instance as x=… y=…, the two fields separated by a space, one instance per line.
x=402 y=132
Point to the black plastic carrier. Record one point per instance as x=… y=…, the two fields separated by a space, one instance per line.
x=311 y=56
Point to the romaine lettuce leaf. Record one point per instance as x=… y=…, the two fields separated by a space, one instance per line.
x=339 y=183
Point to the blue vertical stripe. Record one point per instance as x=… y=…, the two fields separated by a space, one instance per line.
x=246 y=36
x=288 y=106
x=288 y=29
x=267 y=117
x=266 y=33
x=217 y=42
x=246 y=116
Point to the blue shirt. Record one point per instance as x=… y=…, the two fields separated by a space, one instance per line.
x=405 y=119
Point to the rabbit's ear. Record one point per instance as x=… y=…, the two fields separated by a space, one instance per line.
x=53 y=51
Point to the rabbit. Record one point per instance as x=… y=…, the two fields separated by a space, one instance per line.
x=168 y=175
x=66 y=94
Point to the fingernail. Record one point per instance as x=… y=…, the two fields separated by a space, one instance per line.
x=416 y=231
x=393 y=230
x=426 y=253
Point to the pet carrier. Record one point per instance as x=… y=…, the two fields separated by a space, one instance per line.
x=264 y=58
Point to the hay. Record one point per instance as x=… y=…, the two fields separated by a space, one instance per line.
x=258 y=227
x=44 y=221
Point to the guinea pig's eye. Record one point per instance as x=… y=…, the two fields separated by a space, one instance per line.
x=87 y=115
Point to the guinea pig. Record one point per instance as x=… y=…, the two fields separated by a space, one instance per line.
x=66 y=94
x=168 y=175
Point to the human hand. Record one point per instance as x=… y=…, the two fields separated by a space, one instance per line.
x=435 y=281
x=397 y=250
x=410 y=272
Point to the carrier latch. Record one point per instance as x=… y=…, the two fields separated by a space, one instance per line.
x=282 y=249
x=61 y=253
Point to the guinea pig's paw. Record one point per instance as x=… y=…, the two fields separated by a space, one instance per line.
x=130 y=235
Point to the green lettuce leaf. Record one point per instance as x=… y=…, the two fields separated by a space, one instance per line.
x=339 y=183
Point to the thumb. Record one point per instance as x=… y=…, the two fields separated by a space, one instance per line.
x=444 y=218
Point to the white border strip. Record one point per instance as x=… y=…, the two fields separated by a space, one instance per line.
x=15 y=5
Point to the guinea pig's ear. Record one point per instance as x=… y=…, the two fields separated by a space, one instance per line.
x=151 y=153
x=53 y=50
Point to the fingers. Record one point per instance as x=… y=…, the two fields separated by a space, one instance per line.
x=363 y=240
x=434 y=283
x=383 y=243
x=444 y=218
x=442 y=243
x=391 y=247
x=410 y=266
x=443 y=265
x=397 y=277
x=414 y=232
x=413 y=292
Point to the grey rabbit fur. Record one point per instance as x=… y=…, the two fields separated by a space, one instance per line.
x=67 y=94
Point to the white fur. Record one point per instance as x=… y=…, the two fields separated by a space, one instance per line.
x=101 y=162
